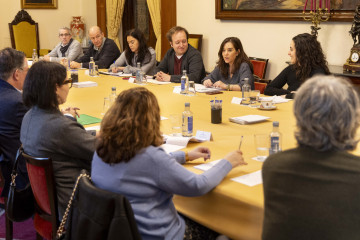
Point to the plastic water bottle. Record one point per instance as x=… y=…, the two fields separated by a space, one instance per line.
x=112 y=95
x=275 y=139
x=187 y=121
x=92 y=67
x=35 y=57
x=139 y=74
x=184 y=83
x=246 y=88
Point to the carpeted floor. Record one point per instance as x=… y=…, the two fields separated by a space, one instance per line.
x=21 y=230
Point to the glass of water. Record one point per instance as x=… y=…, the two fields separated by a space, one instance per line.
x=262 y=144
x=106 y=105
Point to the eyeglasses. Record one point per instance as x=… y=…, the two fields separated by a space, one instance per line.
x=68 y=81
x=24 y=69
x=64 y=35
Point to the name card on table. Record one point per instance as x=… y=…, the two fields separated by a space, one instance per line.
x=236 y=100
x=204 y=136
x=131 y=80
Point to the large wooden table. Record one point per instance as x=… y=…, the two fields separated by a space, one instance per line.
x=233 y=209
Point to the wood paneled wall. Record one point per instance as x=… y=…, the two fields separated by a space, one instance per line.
x=168 y=20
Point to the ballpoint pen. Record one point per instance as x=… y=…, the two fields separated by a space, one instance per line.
x=241 y=141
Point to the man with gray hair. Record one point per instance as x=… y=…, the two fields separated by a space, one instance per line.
x=67 y=48
x=13 y=70
x=313 y=191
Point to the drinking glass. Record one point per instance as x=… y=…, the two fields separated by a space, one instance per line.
x=262 y=144
x=106 y=105
x=175 y=120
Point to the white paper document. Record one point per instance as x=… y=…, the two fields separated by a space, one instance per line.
x=168 y=148
x=118 y=74
x=275 y=99
x=207 y=166
x=202 y=89
x=236 y=100
x=251 y=179
x=248 y=119
x=154 y=81
x=85 y=84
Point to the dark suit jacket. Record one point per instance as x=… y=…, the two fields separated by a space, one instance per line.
x=192 y=62
x=12 y=111
x=48 y=133
x=107 y=56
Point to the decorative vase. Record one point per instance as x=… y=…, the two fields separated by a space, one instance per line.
x=77 y=27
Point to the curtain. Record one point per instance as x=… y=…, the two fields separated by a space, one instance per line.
x=114 y=13
x=155 y=9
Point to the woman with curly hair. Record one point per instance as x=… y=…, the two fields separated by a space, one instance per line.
x=135 y=51
x=307 y=59
x=232 y=67
x=129 y=161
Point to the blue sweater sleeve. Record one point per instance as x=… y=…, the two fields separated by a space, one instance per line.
x=173 y=178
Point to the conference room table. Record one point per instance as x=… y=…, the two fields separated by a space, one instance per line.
x=231 y=208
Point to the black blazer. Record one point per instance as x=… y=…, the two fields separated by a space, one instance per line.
x=12 y=111
x=100 y=214
x=108 y=54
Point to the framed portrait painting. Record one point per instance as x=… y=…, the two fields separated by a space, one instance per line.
x=281 y=10
x=39 y=4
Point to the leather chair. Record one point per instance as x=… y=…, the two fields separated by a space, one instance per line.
x=100 y=214
x=195 y=40
x=260 y=65
x=24 y=34
x=41 y=176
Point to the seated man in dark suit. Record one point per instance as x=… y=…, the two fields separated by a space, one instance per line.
x=13 y=70
x=103 y=50
x=181 y=56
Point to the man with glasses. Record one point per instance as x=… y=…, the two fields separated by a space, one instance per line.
x=67 y=48
x=103 y=50
x=13 y=70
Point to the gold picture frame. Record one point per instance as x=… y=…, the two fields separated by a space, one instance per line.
x=39 y=4
x=338 y=14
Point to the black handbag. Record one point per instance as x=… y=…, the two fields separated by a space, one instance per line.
x=20 y=203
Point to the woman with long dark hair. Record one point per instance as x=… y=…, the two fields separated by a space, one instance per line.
x=307 y=59
x=135 y=51
x=232 y=67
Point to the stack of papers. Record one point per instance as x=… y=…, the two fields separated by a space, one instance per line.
x=118 y=74
x=202 y=89
x=85 y=84
x=248 y=119
x=154 y=81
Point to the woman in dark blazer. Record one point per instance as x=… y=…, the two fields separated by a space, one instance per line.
x=47 y=132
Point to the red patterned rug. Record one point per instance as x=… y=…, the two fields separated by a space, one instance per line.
x=21 y=230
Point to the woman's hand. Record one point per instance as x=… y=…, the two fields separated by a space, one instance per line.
x=207 y=83
x=199 y=152
x=235 y=158
x=72 y=111
x=220 y=84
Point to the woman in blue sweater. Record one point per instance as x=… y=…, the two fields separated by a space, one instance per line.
x=129 y=161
